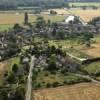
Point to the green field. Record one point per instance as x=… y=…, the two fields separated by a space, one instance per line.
x=5 y=27
x=85 y=4
x=92 y=68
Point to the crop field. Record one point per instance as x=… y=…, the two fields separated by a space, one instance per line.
x=7 y=66
x=12 y=18
x=93 y=51
x=3 y=69
x=83 y=91
x=85 y=4
x=86 y=15
x=15 y=17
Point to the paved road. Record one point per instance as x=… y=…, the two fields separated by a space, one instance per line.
x=88 y=77
x=29 y=80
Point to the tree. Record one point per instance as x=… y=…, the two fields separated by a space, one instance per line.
x=52 y=12
x=87 y=38
x=52 y=63
x=17 y=28
x=11 y=78
x=15 y=68
x=26 y=18
x=40 y=23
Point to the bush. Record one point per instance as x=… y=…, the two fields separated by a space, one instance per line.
x=48 y=85
x=55 y=84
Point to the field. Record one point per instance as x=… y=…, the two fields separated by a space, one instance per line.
x=12 y=18
x=7 y=66
x=85 y=4
x=3 y=69
x=86 y=15
x=92 y=68
x=83 y=91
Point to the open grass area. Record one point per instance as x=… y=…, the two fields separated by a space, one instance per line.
x=92 y=68
x=83 y=91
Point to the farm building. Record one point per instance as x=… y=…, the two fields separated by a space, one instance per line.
x=74 y=19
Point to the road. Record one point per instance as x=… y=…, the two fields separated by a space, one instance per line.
x=88 y=77
x=77 y=58
x=29 y=80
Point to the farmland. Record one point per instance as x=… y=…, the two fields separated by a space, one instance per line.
x=86 y=15
x=84 y=4
x=11 y=18
x=6 y=66
x=84 y=91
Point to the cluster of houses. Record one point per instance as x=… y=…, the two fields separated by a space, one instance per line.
x=71 y=25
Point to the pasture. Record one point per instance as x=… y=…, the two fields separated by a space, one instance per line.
x=83 y=91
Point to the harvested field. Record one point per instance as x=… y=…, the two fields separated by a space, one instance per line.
x=84 y=91
x=94 y=51
x=12 y=18
x=3 y=68
x=86 y=15
x=60 y=11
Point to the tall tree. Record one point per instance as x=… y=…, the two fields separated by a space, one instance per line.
x=26 y=18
